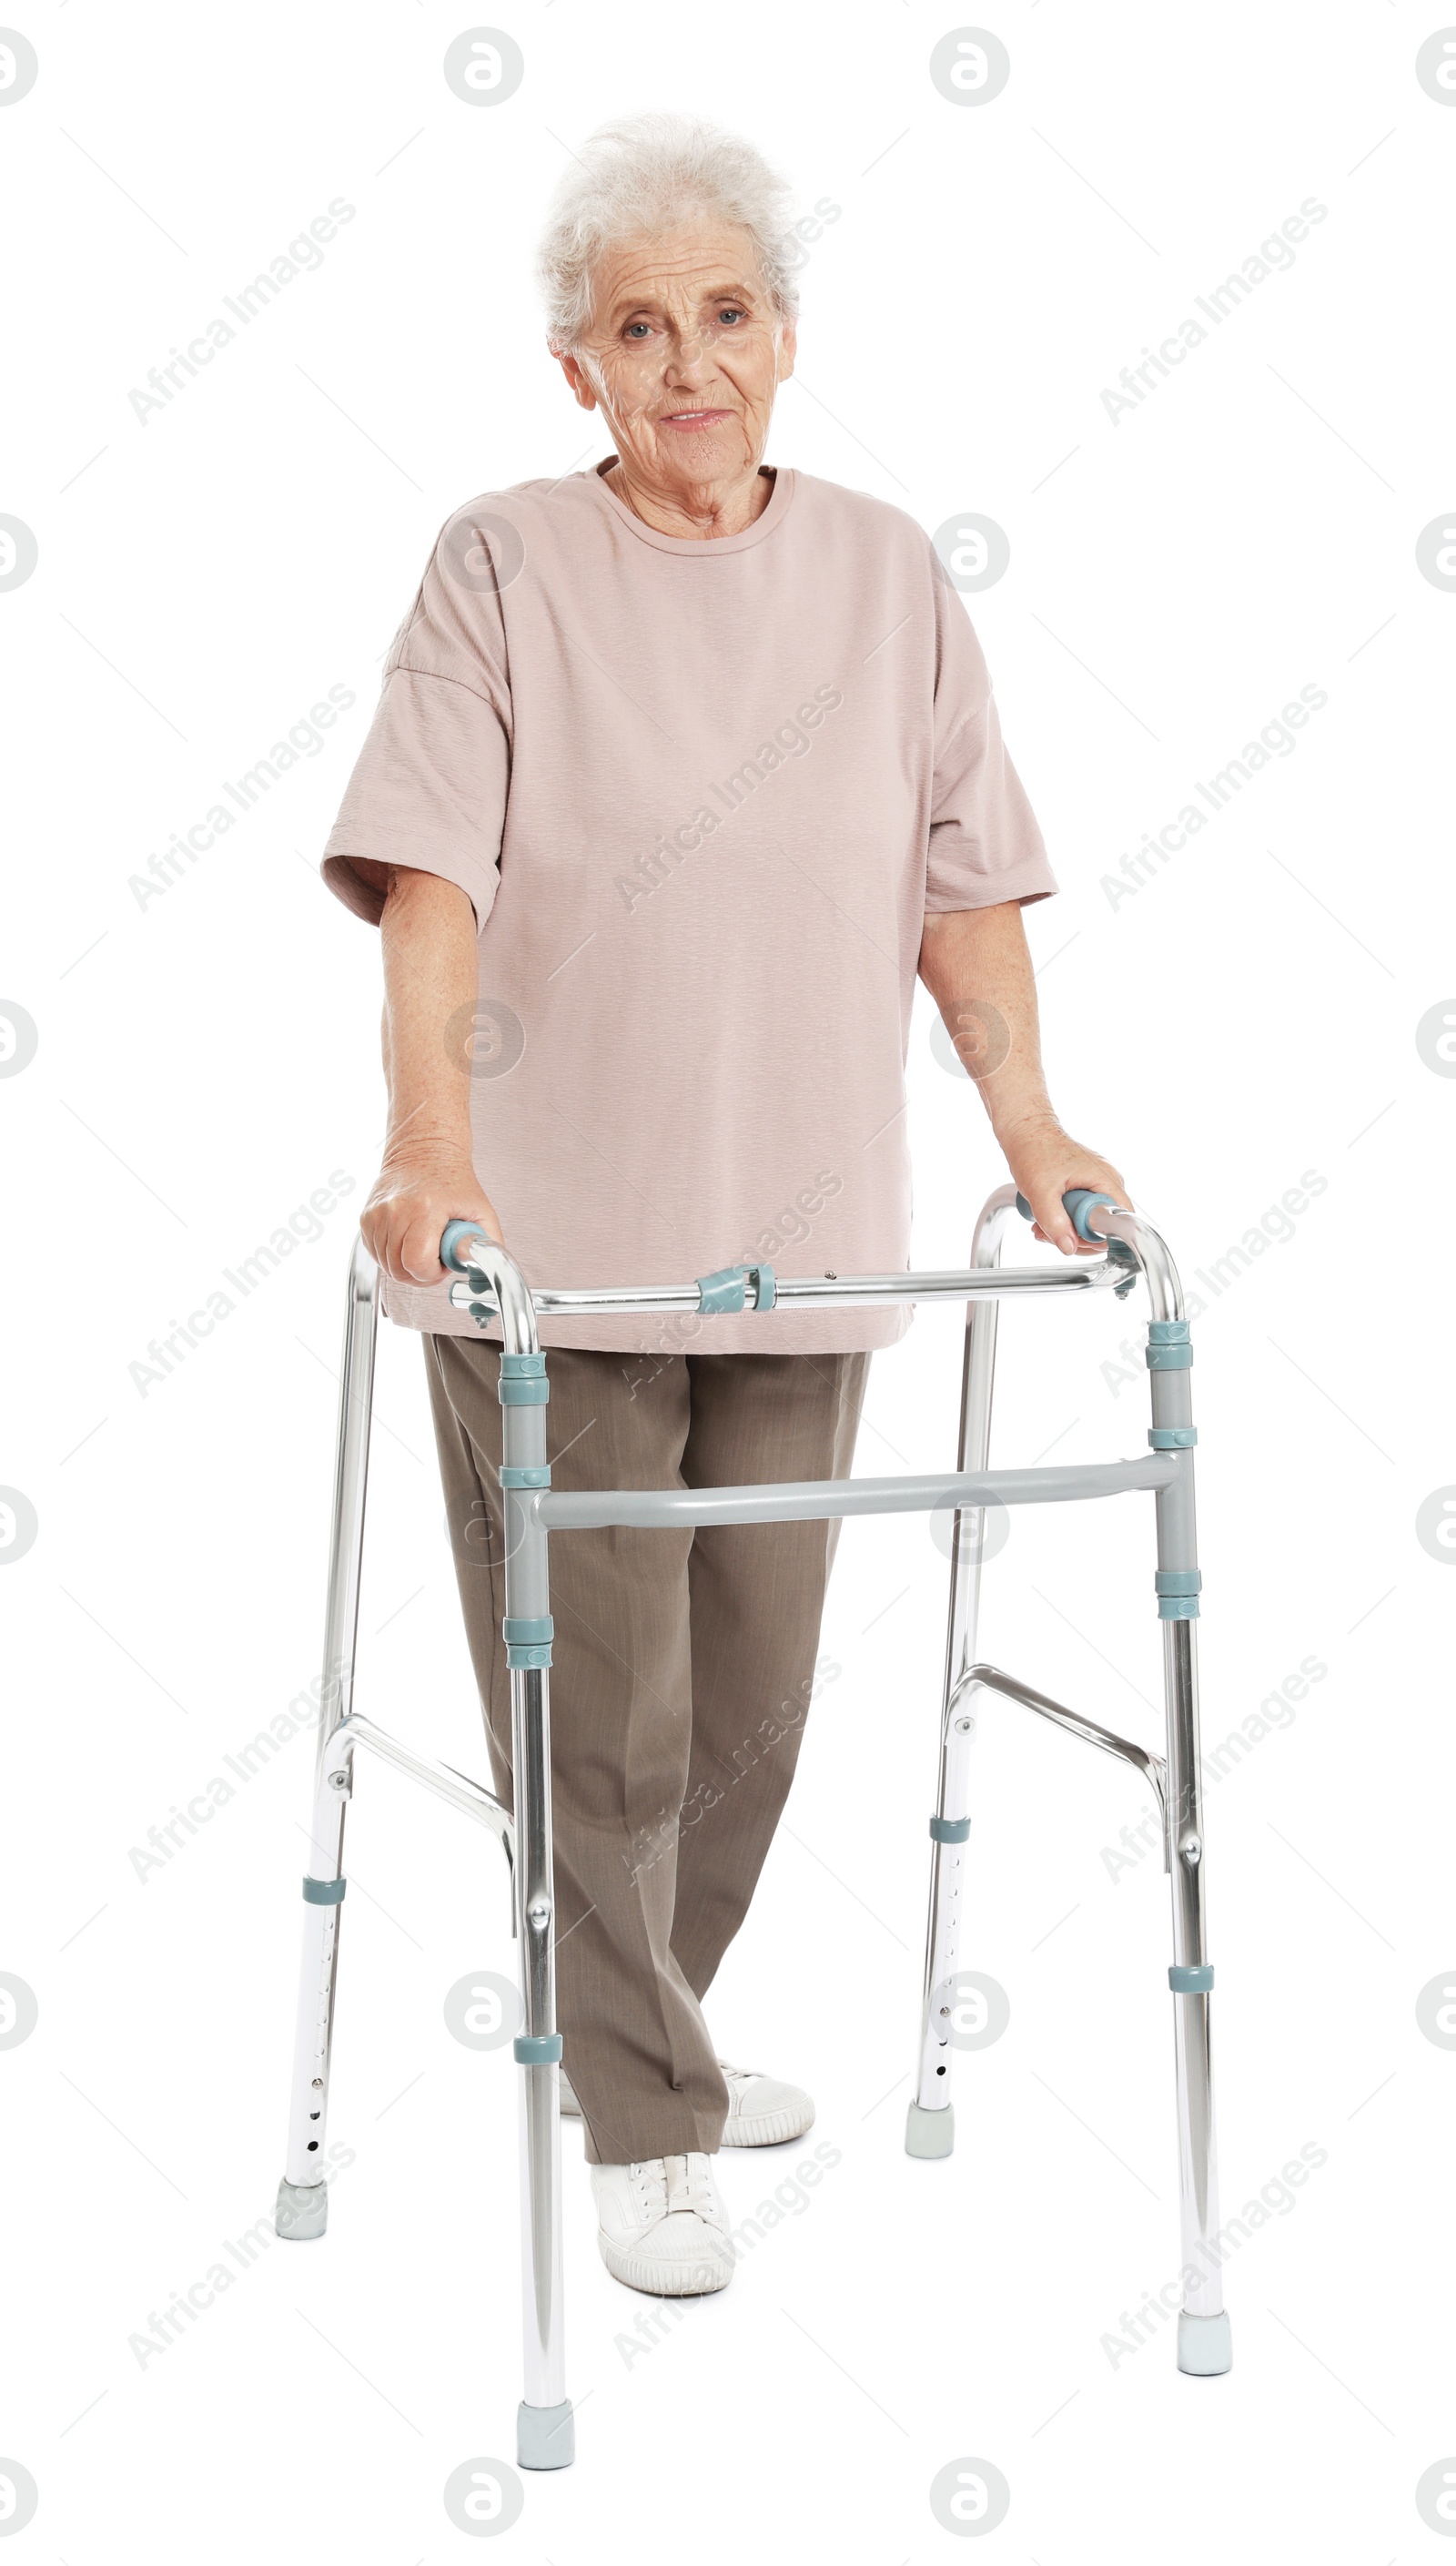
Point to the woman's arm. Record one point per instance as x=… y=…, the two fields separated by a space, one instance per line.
x=431 y=967
x=976 y=966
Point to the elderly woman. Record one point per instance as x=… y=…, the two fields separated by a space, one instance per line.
x=684 y=766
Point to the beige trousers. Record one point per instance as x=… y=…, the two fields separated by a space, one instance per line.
x=683 y=1665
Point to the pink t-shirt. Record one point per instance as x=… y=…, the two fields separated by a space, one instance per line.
x=702 y=794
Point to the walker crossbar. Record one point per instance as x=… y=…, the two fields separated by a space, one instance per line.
x=457 y=1788
x=854 y=1292
x=815 y=1501
x=496 y=1291
x=1151 y=1767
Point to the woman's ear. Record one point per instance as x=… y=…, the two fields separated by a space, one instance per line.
x=577 y=379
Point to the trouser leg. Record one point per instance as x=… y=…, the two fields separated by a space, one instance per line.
x=635 y=2042
x=757 y=1595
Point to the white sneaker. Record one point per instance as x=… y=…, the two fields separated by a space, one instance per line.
x=762 y=2111
x=662 y=2225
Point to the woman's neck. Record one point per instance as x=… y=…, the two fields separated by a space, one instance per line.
x=696 y=514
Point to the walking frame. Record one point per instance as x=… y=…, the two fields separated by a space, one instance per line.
x=495 y=1288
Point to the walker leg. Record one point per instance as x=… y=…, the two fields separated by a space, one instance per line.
x=303 y=2203
x=545 y=2436
x=930 y=2119
x=545 y=2431
x=1204 y=2344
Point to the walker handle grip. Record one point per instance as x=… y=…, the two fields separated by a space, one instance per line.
x=1076 y=1204
x=455 y=1230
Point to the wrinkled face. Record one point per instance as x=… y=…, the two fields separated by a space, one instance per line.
x=684 y=352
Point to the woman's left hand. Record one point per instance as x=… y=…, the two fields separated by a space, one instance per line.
x=1044 y=1164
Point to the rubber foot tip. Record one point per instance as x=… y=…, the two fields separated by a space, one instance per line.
x=929 y=2134
x=1205 y=2346
x=303 y=2211
x=545 y=2436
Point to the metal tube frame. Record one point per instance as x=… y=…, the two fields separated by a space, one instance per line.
x=851 y=1292
x=1204 y=2346
x=545 y=2423
x=544 y=2438
x=815 y=1501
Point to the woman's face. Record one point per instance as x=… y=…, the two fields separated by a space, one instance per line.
x=684 y=352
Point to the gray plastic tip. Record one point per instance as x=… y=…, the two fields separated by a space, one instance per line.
x=303 y=2211
x=545 y=2436
x=1205 y=2346
x=929 y=2134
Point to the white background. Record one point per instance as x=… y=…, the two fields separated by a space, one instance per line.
x=1249 y=1015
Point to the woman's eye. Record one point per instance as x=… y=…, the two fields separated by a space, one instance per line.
x=730 y=312
x=634 y=326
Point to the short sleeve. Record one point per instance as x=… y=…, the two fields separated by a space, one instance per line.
x=430 y=785
x=985 y=844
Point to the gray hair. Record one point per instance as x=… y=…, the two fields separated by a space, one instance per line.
x=646 y=173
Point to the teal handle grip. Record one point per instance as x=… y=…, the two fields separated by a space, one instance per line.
x=1076 y=1204
x=455 y=1230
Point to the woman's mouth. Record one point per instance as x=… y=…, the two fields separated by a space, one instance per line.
x=687 y=421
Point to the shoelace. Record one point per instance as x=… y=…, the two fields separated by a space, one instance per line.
x=675 y=2189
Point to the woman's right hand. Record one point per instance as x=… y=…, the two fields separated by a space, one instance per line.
x=414 y=1198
